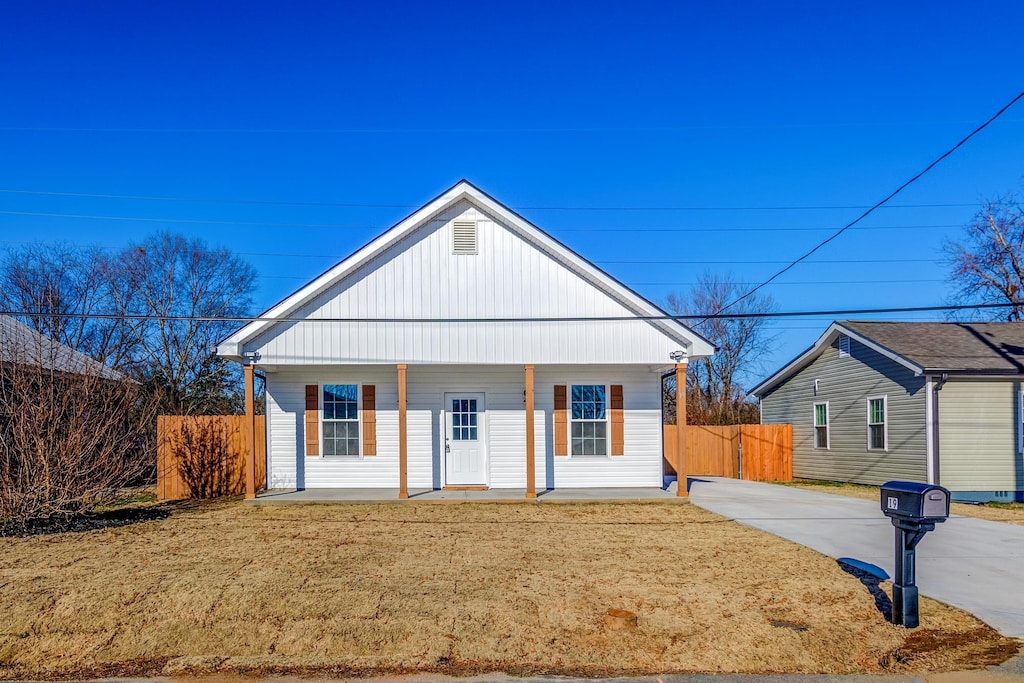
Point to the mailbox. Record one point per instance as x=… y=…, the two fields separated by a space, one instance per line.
x=914 y=509
x=915 y=502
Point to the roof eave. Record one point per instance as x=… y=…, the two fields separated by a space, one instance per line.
x=698 y=346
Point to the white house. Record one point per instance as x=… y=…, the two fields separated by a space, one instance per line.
x=464 y=347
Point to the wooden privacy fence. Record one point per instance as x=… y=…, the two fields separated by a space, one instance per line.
x=211 y=448
x=767 y=451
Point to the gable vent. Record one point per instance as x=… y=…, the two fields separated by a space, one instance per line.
x=464 y=237
x=844 y=346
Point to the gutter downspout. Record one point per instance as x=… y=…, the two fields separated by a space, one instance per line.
x=931 y=456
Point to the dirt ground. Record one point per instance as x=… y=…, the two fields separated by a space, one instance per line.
x=457 y=589
x=1012 y=513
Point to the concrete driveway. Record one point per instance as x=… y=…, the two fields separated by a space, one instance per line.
x=973 y=564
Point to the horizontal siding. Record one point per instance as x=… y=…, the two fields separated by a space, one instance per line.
x=978 y=436
x=421 y=278
x=846 y=383
x=642 y=428
x=504 y=424
x=290 y=468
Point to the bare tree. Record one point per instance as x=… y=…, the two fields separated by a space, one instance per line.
x=71 y=430
x=175 y=285
x=987 y=263
x=71 y=291
x=714 y=393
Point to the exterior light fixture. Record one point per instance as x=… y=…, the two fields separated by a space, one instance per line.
x=678 y=355
x=251 y=356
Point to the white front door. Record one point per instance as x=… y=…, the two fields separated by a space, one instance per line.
x=465 y=457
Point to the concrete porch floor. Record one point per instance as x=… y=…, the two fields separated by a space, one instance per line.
x=604 y=495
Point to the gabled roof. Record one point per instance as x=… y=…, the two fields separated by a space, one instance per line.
x=953 y=348
x=22 y=345
x=464 y=190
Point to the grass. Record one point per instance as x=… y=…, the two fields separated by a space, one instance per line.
x=345 y=590
x=1012 y=513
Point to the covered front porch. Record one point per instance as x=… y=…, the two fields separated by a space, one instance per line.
x=405 y=447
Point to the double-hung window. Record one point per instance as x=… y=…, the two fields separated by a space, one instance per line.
x=589 y=418
x=341 y=419
x=821 y=435
x=877 y=418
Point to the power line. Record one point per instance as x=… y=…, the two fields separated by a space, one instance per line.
x=270 y=202
x=339 y=257
x=690 y=284
x=880 y=203
x=463 y=129
x=334 y=226
x=539 y=319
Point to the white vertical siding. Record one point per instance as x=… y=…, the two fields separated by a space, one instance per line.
x=420 y=278
x=505 y=427
x=978 y=432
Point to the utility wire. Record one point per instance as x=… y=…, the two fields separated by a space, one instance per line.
x=265 y=202
x=878 y=204
x=334 y=226
x=335 y=257
x=539 y=319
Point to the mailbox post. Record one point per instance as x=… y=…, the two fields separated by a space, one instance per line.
x=914 y=510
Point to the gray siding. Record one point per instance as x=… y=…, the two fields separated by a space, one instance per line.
x=978 y=431
x=846 y=383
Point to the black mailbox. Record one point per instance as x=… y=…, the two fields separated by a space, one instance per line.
x=914 y=509
x=914 y=501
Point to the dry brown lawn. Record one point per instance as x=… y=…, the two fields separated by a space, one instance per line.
x=1012 y=513
x=459 y=589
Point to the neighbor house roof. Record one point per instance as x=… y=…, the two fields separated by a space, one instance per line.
x=22 y=345
x=464 y=190
x=985 y=348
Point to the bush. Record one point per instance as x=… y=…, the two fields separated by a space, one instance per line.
x=70 y=439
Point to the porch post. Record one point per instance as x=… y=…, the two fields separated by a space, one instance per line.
x=531 y=471
x=681 y=430
x=403 y=438
x=250 y=432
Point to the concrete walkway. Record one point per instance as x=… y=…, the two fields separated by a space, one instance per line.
x=606 y=495
x=973 y=564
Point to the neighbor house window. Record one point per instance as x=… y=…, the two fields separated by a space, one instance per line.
x=821 y=425
x=341 y=419
x=877 y=438
x=589 y=419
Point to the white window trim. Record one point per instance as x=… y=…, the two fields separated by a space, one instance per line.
x=827 y=425
x=607 y=419
x=358 y=421
x=885 y=424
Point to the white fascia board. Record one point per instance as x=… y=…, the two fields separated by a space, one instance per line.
x=824 y=341
x=698 y=346
x=888 y=353
x=346 y=266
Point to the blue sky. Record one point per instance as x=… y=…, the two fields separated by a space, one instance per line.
x=544 y=106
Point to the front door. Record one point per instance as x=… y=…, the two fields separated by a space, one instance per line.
x=465 y=457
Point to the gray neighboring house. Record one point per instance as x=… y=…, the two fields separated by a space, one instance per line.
x=932 y=402
x=21 y=344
